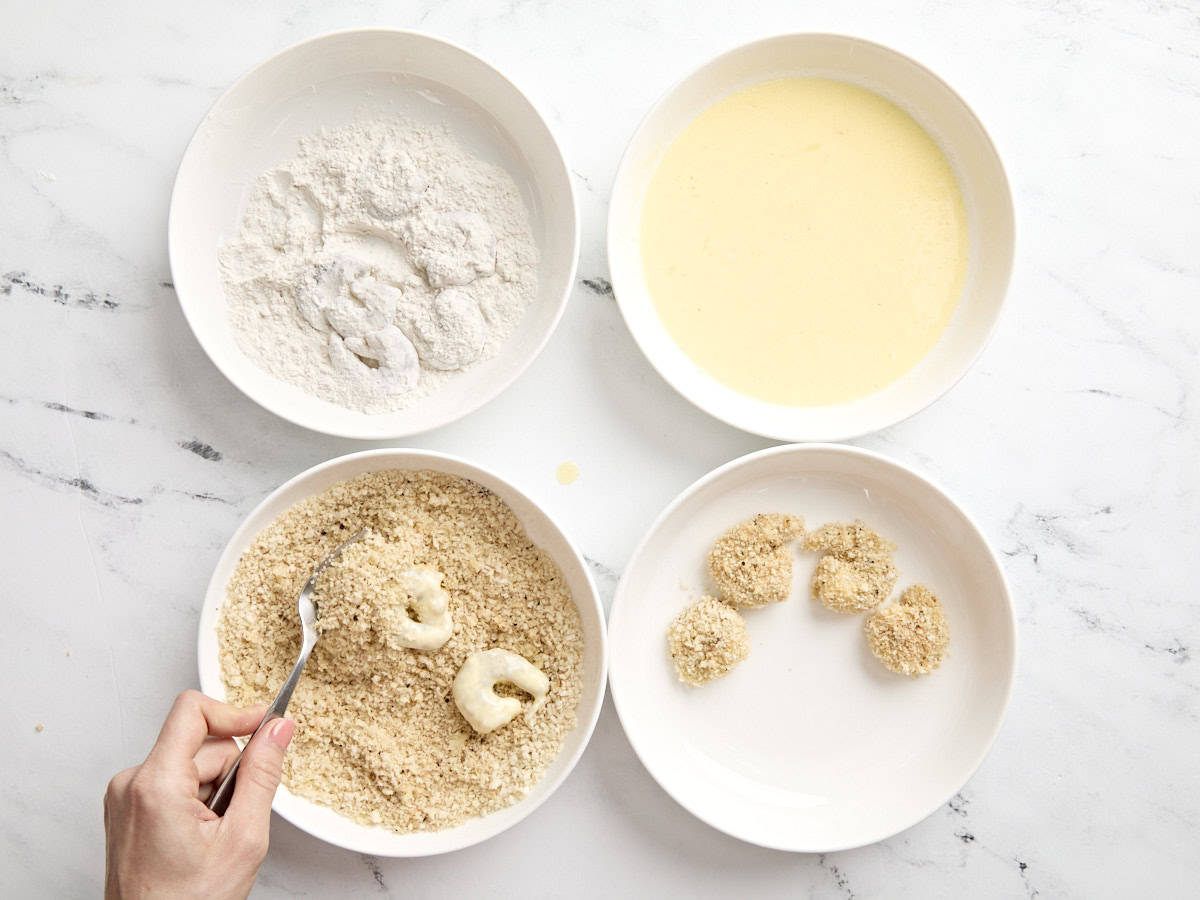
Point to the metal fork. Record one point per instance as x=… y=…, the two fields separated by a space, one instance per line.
x=219 y=801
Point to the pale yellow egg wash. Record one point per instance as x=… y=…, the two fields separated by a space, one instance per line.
x=804 y=241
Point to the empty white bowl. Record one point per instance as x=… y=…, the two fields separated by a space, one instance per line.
x=810 y=744
x=323 y=822
x=329 y=82
x=940 y=111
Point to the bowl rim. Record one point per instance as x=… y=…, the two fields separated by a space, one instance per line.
x=624 y=589
x=396 y=457
x=625 y=166
x=281 y=410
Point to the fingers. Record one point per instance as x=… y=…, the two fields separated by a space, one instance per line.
x=117 y=786
x=214 y=758
x=248 y=819
x=194 y=717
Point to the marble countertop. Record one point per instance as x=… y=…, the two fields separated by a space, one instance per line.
x=127 y=460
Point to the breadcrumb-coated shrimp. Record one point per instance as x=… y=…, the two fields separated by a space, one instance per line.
x=849 y=542
x=706 y=641
x=751 y=563
x=910 y=637
x=857 y=573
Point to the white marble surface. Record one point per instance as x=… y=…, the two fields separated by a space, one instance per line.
x=126 y=460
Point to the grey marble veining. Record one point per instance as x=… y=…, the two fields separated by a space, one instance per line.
x=126 y=460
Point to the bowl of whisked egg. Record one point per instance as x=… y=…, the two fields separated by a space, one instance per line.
x=810 y=237
x=373 y=233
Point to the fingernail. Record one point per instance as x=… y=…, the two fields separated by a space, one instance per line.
x=280 y=733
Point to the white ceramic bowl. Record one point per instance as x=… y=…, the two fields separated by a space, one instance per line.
x=810 y=744
x=322 y=822
x=940 y=111
x=331 y=81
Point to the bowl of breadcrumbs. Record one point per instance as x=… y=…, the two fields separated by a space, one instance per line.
x=457 y=566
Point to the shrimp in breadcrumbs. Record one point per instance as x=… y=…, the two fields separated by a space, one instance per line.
x=751 y=563
x=856 y=573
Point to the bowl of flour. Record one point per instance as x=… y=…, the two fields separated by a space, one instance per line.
x=373 y=233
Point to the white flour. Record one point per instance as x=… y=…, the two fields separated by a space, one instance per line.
x=377 y=264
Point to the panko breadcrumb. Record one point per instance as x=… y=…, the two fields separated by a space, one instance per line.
x=378 y=738
x=911 y=636
x=857 y=573
x=706 y=641
x=751 y=563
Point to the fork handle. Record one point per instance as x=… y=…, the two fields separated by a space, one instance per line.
x=219 y=801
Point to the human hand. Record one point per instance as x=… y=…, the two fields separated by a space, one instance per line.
x=160 y=838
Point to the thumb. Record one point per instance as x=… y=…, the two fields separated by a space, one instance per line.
x=249 y=813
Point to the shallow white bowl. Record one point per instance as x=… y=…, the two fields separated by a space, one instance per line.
x=810 y=744
x=322 y=822
x=328 y=82
x=940 y=111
